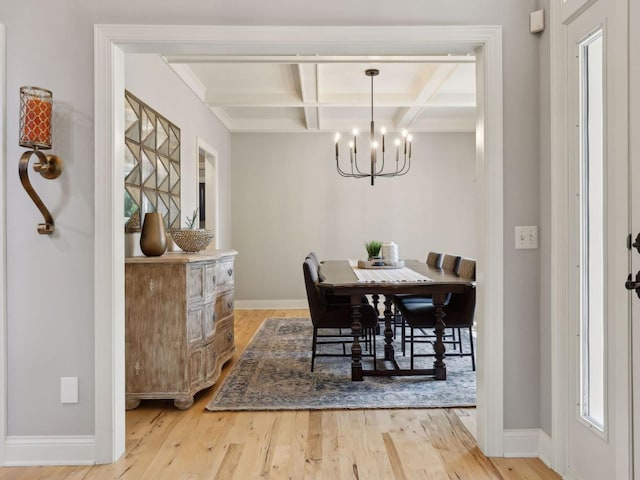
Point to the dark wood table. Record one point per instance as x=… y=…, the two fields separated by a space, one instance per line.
x=339 y=279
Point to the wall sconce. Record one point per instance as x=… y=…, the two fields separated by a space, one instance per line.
x=35 y=133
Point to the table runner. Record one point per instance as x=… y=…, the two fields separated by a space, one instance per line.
x=403 y=274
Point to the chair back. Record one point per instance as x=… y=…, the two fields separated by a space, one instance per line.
x=461 y=308
x=467 y=269
x=314 y=257
x=451 y=263
x=316 y=302
x=434 y=259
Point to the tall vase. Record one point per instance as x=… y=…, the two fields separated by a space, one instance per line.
x=153 y=240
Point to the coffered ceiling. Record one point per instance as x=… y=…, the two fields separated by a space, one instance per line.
x=295 y=94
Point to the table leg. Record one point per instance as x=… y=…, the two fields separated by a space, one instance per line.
x=439 y=365
x=389 y=354
x=356 y=330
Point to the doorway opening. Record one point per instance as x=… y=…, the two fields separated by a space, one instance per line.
x=208 y=191
x=111 y=44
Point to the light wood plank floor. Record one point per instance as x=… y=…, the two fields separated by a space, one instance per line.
x=165 y=443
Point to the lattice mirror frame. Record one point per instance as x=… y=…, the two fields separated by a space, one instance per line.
x=151 y=165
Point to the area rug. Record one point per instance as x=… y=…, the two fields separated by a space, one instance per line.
x=274 y=373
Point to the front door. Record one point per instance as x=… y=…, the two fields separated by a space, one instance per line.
x=599 y=358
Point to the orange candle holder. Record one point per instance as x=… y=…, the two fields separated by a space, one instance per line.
x=35 y=133
x=35 y=117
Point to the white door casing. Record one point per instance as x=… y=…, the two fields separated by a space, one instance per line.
x=111 y=43
x=634 y=188
x=210 y=180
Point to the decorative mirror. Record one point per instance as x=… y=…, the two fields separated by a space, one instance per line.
x=151 y=165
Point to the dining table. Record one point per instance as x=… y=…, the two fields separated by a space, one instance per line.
x=346 y=278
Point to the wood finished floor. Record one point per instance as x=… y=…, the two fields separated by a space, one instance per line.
x=165 y=443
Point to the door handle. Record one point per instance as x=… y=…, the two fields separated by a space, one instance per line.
x=635 y=244
x=631 y=285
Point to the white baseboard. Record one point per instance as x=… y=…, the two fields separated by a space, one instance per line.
x=270 y=304
x=27 y=451
x=545 y=449
x=522 y=443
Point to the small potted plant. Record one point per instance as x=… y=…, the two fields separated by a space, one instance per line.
x=373 y=250
x=192 y=239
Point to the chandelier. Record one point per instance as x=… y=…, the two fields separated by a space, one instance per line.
x=376 y=161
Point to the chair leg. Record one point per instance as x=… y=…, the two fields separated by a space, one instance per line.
x=411 y=340
x=375 y=364
x=313 y=347
x=403 y=337
x=473 y=355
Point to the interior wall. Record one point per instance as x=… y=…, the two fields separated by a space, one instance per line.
x=54 y=337
x=287 y=199
x=149 y=78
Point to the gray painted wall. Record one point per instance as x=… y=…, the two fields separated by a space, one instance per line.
x=287 y=199
x=53 y=337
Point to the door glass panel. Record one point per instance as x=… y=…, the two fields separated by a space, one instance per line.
x=592 y=244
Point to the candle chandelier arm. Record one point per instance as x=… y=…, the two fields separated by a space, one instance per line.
x=351 y=174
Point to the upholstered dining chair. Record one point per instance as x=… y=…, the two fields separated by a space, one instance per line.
x=451 y=262
x=333 y=318
x=434 y=260
x=460 y=312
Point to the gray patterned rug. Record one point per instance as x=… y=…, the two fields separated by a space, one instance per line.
x=274 y=373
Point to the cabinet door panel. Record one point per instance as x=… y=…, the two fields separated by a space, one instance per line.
x=211 y=361
x=210 y=276
x=209 y=322
x=194 y=326
x=195 y=282
x=197 y=366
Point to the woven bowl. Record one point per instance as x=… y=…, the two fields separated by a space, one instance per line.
x=192 y=240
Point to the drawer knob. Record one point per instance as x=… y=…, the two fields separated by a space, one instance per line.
x=229 y=305
x=213 y=279
x=230 y=271
x=229 y=336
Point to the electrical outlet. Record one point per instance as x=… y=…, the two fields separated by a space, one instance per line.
x=526 y=237
x=68 y=389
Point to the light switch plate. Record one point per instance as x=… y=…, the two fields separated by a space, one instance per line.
x=68 y=389
x=526 y=237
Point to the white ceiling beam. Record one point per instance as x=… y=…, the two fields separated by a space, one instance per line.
x=297 y=59
x=262 y=101
x=308 y=75
x=405 y=116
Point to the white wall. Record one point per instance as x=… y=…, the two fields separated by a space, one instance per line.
x=50 y=44
x=149 y=78
x=288 y=199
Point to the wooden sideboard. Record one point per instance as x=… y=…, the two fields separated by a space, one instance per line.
x=178 y=324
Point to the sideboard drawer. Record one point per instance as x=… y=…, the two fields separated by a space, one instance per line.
x=224 y=305
x=224 y=336
x=224 y=275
